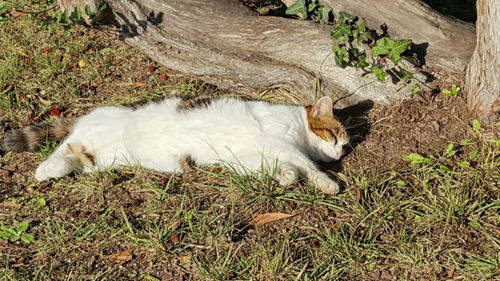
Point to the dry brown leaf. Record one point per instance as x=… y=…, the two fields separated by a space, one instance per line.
x=185 y=258
x=120 y=257
x=140 y=84
x=22 y=53
x=267 y=218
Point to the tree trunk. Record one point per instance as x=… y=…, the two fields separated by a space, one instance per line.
x=224 y=43
x=482 y=83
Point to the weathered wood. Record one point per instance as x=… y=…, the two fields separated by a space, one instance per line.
x=224 y=43
x=482 y=83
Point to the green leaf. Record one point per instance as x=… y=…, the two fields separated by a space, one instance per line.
x=410 y=59
x=475 y=224
x=297 y=8
x=464 y=163
x=476 y=126
x=312 y=6
x=103 y=7
x=65 y=17
x=450 y=151
x=27 y=238
x=406 y=75
x=465 y=142
x=361 y=63
x=415 y=159
x=415 y=90
x=382 y=46
x=3 y=6
x=397 y=48
x=341 y=55
x=346 y=17
x=444 y=168
x=341 y=32
x=22 y=227
x=380 y=73
x=77 y=13
x=88 y=11
x=325 y=14
x=473 y=154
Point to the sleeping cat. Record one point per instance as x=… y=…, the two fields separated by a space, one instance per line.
x=161 y=135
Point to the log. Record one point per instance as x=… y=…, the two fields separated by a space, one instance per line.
x=226 y=44
x=482 y=81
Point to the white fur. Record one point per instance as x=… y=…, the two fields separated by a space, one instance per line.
x=246 y=134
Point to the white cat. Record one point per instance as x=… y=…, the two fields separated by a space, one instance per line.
x=245 y=134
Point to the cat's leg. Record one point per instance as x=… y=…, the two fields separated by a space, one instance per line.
x=309 y=170
x=67 y=158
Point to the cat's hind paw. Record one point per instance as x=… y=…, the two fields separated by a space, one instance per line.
x=287 y=175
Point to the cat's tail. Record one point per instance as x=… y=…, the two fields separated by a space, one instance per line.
x=31 y=137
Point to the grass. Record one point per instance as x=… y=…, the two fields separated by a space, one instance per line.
x=430 y=221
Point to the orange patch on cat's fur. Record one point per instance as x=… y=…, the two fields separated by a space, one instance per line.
x=325 y=127
x=86 y=158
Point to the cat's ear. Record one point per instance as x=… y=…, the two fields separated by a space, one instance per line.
x=323 y=107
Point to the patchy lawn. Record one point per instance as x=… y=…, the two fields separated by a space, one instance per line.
x=435 y=219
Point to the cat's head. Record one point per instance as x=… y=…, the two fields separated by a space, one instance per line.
x=329 y=135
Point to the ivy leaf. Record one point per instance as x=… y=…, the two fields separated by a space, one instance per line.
x=297 y=8
x=394 y=49
x=65 y=17
x=415 y=159
x=380 y=73
x=361 y=63
x=410 y=59
x=397 y=48
x=103 y=7
x=88 y=11
x=77 y=13
x=382 y=46
x=341 y=55
x=312 y=6
x=325 y=14
x=346 y=17
x=341 y=31
x=361 y=32
x=406 y=75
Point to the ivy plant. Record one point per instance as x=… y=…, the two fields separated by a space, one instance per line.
x=310 y=9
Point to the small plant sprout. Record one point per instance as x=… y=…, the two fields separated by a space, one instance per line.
x=453 y=92
x=3 y=8
x=16 y=233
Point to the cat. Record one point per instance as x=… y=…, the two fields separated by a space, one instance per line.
x=162 y=135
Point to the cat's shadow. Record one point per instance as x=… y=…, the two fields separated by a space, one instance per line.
x=355 y=119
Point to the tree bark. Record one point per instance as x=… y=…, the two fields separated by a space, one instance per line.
x=224 y=43
x=482 y=82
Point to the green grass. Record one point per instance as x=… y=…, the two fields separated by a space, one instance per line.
x=430 y=221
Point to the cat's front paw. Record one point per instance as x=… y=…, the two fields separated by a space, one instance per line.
x=287 y=175
x=327 y=185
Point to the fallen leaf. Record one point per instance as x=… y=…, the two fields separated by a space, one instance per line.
x=22 y=53
x=185 y=258
x=82 y=64
x=55 y=112
x=140 y=84
x=174 y=238
x=45 y=50
x=151 y=68
x=267 y=218
x=120 y=257
x=163 y=77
